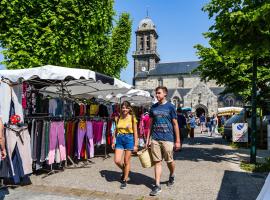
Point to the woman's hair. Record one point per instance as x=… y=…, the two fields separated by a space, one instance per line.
x=127 y=105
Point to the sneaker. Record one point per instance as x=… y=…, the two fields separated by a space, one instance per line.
x=171 y=181
x=122 y=176
x=123 y=184
x=155 y=190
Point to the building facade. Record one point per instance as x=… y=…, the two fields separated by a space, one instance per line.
x=185 y=87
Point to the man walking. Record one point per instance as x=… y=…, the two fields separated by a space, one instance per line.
x=192 y=122
x=164 y=133
x=182 y=123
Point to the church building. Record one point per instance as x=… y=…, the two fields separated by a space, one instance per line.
x=185 y=87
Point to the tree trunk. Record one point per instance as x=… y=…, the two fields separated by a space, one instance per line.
x=261 y=129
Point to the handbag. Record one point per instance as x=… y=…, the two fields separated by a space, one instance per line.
x=145 y=157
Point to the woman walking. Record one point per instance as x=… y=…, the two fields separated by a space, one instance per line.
x=126 y=140
x=215 y=124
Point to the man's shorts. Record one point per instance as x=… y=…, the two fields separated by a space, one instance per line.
x=162 y=150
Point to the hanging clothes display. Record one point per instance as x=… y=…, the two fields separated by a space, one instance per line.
x=62 y=123
x=70 y=138
x=57 y=138
x=18 y=145
x=12 y=94
x=85 y=129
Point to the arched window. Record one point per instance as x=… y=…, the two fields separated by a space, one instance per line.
x=148 y=42
x=176 y=101
x=229 y=101
x=141 y=44
x=180 y=82
x=160 y=82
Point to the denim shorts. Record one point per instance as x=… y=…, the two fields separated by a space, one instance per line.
x=125 y=141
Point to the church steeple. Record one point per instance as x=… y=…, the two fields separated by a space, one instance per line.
x=145 y=56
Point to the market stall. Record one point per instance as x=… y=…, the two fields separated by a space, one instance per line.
x=229 y=111
x=61 y=110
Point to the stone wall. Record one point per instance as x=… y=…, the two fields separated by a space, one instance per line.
x=150 y=83
x=172 y=82
x=201 y=95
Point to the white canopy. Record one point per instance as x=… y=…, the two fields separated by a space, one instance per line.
x=78 y=83
x=229 y=110
x=50 y=72
x=71 y=82
x=134 y=96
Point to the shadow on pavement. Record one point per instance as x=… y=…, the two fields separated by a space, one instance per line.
x=240 y=185
x=194 y=152
x=135 y=178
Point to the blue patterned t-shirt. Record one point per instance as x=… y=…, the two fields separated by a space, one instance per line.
x=162 y=125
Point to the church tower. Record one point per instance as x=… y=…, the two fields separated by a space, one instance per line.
x=145 y=56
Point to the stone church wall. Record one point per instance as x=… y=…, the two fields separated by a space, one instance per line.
x=146 y=84
x=190 y=82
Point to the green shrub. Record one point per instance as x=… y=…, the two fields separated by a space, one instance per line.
x=258 y=167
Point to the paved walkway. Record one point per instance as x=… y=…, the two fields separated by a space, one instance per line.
x=207 y=168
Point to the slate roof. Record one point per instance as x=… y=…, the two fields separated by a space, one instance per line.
x=181 y=91
x=217 y=90
x=174 y=68
x=170 y=69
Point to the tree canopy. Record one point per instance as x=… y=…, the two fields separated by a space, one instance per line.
x=72 y=33
x=239 y=35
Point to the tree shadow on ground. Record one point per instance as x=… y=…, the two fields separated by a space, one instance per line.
x=196 y=152
x=135 y=178
x=240 y=185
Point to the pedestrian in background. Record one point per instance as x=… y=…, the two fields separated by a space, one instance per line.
x=164 y=137
x=192 y=122
x=209 y=125
x=126 y=140
x=202 y=122
x=214 y=124
x=223 y=120
x=182 y=123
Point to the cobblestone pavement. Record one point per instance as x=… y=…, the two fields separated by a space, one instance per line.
x=207 y=168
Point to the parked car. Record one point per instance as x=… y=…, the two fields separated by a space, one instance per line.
x=245 y=116
x=237 y=118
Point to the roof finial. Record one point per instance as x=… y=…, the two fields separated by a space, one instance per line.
x=147 y=11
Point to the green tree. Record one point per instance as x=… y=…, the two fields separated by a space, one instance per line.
x=72 y=33
x=240 y=34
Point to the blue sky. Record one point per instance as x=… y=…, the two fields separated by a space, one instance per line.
x=1 y=58
x=180 y=24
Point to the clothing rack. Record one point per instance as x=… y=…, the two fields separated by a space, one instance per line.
x=62 y=118
x=65 y=96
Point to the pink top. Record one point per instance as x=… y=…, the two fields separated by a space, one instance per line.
x=144 y=124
